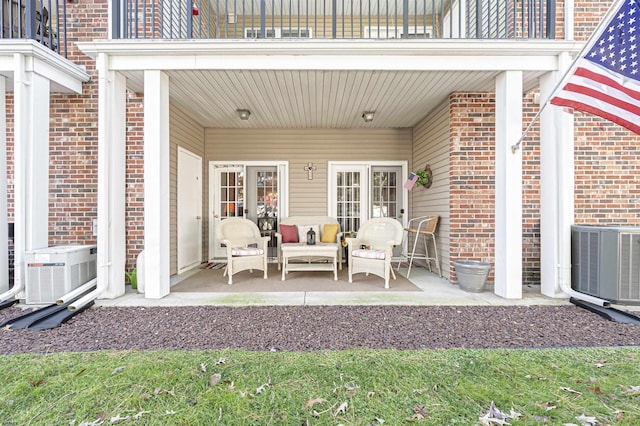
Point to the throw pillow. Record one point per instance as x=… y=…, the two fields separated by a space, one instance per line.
x=289 y=233
x=303 y=229
x=329 y=233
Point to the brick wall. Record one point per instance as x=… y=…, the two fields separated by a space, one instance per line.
x=472 y=175
x=74 y=136
x=587 y=16
x=607 y=189
x=134 y=178
x=530 y=194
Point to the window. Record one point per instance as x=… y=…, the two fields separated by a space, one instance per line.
x=279 y=32
x=384 y=32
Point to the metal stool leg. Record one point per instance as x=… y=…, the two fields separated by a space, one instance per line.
x=415 y=242
x=403 y=252
x=426 y=251
x=435 y=247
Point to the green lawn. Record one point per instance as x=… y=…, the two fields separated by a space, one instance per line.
x=355 y=387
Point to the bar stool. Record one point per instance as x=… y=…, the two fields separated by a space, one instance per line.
x=425 y=227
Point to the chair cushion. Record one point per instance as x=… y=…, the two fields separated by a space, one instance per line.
x=369 y=254
x=289 y=233
x=303 y=229
x=329 y=233
x=246 y=251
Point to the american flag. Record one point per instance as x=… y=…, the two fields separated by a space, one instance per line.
x=606 y=81
x=411 y=182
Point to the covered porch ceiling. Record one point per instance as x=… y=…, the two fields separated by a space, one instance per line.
x=323 y=86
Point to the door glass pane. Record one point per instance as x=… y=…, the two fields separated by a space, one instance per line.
x=348 y=196
x=384 y=194
x=232 y=194
x=267 y=190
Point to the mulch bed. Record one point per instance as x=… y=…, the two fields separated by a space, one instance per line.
x=303 y=328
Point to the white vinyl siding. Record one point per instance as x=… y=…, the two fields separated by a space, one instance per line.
x=431 y=146
x=301 y=146
x=184 y=132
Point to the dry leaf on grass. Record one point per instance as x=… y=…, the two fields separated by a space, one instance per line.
x=496 y=417
x=341 y=409
x=587 y=420
x=214 y=379
x=36 y=383
x=573 y=391
x=546 y=405
x=630 y=390
x=310 y=403
x=260 y=388
x=117 y=369
x=416 y=417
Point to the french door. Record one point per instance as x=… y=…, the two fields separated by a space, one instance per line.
x=360 y=191
x=250 y=189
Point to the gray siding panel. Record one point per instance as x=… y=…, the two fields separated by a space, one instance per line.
x=301 y=146
x=431 y=146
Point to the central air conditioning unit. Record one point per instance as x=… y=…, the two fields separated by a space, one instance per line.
x=605 y=262
x=55 y=271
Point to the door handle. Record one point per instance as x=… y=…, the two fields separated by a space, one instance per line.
x=217 y=216
x=198 y=217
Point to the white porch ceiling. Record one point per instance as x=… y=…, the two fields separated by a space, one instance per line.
x=324 y=84
x=318 y=98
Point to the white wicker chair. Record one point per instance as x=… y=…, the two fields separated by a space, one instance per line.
x=245 y=247
x=379 y=236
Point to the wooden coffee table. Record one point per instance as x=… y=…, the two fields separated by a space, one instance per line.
x=302 y=251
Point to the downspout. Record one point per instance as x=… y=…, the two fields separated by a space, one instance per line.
x=568 y=20
x=77 y=292
x=566 y=198
x=17 y=288
x=88 y=298
x=104 y=187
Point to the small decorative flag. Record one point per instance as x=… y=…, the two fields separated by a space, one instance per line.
x=411 y=182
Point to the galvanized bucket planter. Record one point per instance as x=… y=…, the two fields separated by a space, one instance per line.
x=472 y=274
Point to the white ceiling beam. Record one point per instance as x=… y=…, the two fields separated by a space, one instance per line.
x=336 y=63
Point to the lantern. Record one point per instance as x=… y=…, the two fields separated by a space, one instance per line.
x=311 y=237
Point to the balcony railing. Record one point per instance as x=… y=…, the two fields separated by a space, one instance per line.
x=41 y=20
x=334 y=19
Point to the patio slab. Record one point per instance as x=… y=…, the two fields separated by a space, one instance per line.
x=435 y=291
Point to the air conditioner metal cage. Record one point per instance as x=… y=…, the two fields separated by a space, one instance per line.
x=55 y=271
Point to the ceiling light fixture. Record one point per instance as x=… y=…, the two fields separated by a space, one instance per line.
x=244 y=114
x=367 y=116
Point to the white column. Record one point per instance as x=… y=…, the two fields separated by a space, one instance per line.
x=31 y=163
x=4 y=232
x=156 y=184
x=111 y=242
x=508 y=214
x=557 y=188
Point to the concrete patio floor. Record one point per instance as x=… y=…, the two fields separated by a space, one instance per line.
x=435 y=291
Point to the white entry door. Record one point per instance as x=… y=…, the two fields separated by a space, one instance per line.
x=189 y=204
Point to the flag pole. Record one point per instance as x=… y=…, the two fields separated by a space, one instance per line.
x=587 y=46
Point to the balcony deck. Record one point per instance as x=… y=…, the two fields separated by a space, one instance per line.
x=42 y=21
x=336 y=19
